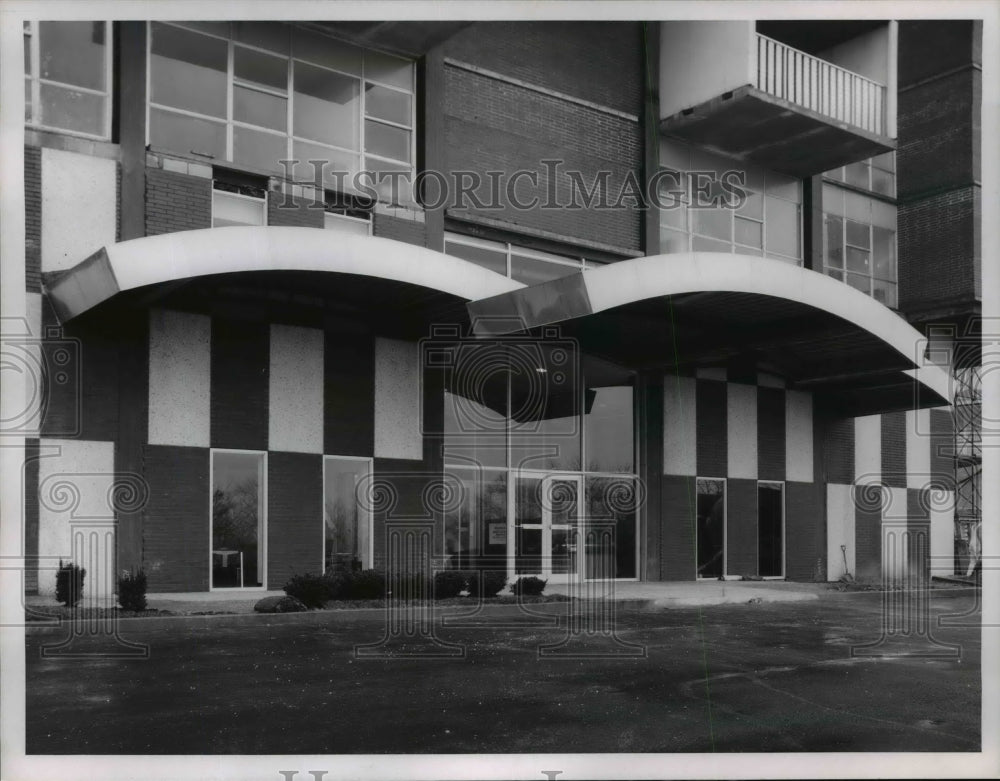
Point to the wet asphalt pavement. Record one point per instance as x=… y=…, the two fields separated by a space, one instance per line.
x=756 y=677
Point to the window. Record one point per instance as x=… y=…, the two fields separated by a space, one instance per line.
x=66 y=77
x=699 y=212
x=258 y=93
x=347 y=539
x=523 y=265
x=711 y=532
x=877 y=174
x=859 y=242
x=236 y=208
x=239 y=528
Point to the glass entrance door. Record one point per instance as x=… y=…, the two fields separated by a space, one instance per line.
x=547 y=527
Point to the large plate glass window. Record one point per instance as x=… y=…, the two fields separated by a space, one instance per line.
x=859 y=242
x=67 y=83
x=346 y=519
x=239 y=528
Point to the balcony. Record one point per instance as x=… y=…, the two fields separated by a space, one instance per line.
x=728 y=87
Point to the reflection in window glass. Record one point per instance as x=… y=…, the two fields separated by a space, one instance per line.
x=188 y=71
x=255 y=149
x=387 y=141
x=476 y=530
x=73 y=53
x=609 y=428
x=238 y=520
x=187 y=135
x=326 y=107
x=610 y=536
x=346 y=524
x=388 y=104
x=262 y=69
x=72 y=110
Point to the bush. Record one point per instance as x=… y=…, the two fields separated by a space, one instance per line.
x=410 y=586
x=313 y=591
x=69 y=583
x=487 y=582
x=366 y=584
x=450 y=583
x=528 y=587
x=132 y=590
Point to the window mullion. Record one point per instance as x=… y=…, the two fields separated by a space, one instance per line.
x=230 y=75
x=36 y=65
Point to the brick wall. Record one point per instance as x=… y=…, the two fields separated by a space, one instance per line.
x=176 y=522
x=770 y=433
x=805 y=531
x=894 y=449
x=294 y=516
x=33 y=218
x=596 y=61
x=408 y=231
x=176 y=202
x=678 y=522
x=938 y=164
x=942 y=444
x=838 y=451
x=349 y=395
x=711 y=428
x=241 y=364
x=31 y=514
x=492 y=125
x=867 y=533
x=293 y=212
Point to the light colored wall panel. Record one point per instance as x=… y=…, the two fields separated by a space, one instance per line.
x=867 y=449
x=79 y=195
x=180 y=378
x=295 y=419
x=839 y=530
x=741 y=422
x=74 y=482
x=943 y=534
x=798 y=436
x=680 y=437
x=397 y=400
x=918 y=448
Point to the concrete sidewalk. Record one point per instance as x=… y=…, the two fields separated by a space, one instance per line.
x=694 y=594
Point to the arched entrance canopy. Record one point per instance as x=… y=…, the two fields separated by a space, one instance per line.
x=689 y=310
x=159 y=260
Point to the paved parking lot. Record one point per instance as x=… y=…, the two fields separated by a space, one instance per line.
x=751 y=677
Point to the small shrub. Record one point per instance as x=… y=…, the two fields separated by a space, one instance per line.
x=313 y=591
x=450 y=583
x=69 y=583
x=528 y=587
x=132 y=590
x=487 y=583
x=366 y=584
x=410 y=586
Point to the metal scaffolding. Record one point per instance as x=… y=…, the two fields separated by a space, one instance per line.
x=967 y=452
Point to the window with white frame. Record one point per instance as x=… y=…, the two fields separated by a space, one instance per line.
x=769 y=221
x=232 y=207
x=67 y=81
x=877 y=174
x=859 y=242
x=255 y=93
x=518 y=263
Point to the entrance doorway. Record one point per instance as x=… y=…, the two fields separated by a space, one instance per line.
x=770 y=530
x=547 y=526
x=711 y=532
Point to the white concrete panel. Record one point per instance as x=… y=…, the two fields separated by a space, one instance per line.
x=75 y=514
x=700 y=60
x=895 y=535
x=839 y=530
x=798 y=436
x=867 y=449
x=180 y=377
x=918 y=448
x=295 y=414
x=741 y=427
x=28 y=353
x=942 y=533
x=78 y=207
x=397 y=400
x=680 y=436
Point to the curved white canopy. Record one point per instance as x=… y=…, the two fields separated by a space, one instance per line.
x=189 y=254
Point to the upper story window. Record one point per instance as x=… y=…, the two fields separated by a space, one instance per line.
x=233 y=205
x=256 y=93
x=67 y=68
x=701 y=212
x=877 y=174
x=518 y=263
x=859 y=242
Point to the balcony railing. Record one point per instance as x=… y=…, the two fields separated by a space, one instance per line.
x=820 y=86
